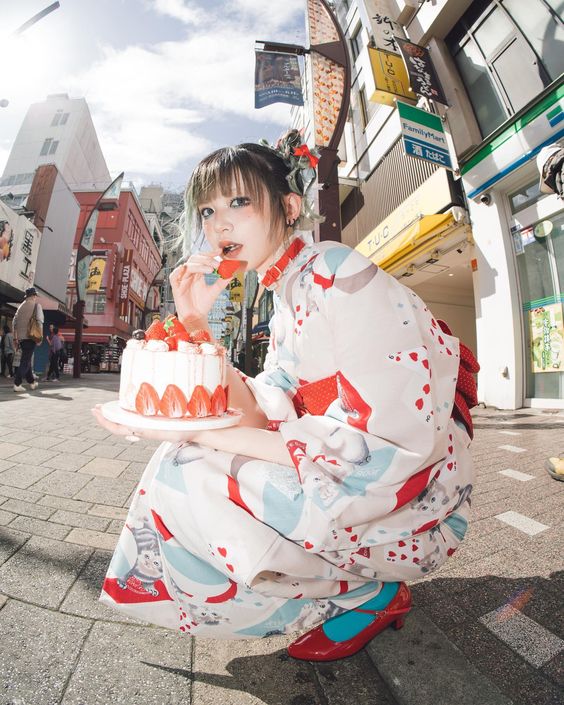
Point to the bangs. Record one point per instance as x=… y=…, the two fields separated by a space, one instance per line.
x=223 y=171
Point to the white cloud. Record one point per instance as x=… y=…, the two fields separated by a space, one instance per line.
x=151 y=105
x=178 y=9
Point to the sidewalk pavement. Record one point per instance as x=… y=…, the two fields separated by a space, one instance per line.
x=486 y=629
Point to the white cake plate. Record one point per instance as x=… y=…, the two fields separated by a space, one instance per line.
x=113 y=412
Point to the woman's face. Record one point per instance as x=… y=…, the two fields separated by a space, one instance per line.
x=240 y=228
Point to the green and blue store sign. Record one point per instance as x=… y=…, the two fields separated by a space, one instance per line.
x=540 y=126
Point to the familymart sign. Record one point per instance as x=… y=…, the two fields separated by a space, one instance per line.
x=423 y=135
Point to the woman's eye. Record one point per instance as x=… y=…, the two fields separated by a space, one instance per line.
x=240 y=202
x=206 y=212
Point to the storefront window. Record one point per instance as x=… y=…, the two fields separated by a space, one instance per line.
x=542 y=30
x=540 y=263
x=507 y=52
x=488 y=108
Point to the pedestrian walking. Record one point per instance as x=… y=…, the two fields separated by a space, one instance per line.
x=56 y=347
x=28 y=322
x=7 y=351
x=349 y=473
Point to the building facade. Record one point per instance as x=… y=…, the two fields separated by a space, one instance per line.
x=59 y=131
x=126 y=258
x=478 y=241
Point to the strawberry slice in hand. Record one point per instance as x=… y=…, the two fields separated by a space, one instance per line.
x=227 y=267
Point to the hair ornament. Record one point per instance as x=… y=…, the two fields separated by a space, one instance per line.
x=301 y=162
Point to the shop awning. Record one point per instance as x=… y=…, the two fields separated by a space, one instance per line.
x=261 y=328
x=418 y=238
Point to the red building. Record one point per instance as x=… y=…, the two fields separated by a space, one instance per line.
x=126 y=257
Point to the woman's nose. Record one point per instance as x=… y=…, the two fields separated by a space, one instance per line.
x=223 y=222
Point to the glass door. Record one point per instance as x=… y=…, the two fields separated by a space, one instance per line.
x=539 y=247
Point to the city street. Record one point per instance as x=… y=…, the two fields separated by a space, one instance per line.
x=486 y=629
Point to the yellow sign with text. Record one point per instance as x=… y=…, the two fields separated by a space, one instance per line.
x=390 y=78
x=95 y=274
x=236 y=288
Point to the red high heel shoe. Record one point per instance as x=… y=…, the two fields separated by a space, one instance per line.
x=315 y=645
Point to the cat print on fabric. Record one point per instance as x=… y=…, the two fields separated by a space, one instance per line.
x=431 y=560
x=148 y=566
x=314 y=612
x=202 y=614
x=432 y=499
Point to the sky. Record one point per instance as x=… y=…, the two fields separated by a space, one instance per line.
x=166 y=81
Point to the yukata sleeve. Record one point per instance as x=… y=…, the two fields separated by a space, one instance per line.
x=274 y=389
x=379 y=422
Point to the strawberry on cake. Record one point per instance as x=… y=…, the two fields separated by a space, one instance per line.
x=167 y=371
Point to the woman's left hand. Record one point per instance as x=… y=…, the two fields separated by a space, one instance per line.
x=145 y=434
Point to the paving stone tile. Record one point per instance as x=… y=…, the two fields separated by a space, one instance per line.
x=84 y=521
x=10 y=542
x=70 y=505
x=152 y=663
x=105 y=491
x=42 y=571
x=7 y=450
x=139 y=455
x=249 y=672
x=38 y=651
x=102 y=510
x=103 y=450
x=134 y=471
x=67 y=461
x=33 y=456
x=95 y=433
x=5 y=465
x=104 y=467
x=23 y=476
x=42 y=441
x=40 y=528
x=74 y=445
x=115 y=527
x=18 y=506
x=3 y=600
x=6 y=517
x=61 y=483
x=92 y=539
x=83 y=598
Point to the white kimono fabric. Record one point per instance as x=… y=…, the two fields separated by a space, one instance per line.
x=360 y=382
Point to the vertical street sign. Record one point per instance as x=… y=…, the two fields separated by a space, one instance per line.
x=422 y=75
x=423 y=135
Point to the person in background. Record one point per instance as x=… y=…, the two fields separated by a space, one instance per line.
x=56 y=348
x=21 y=323
x=8 y=350
x=49 y=338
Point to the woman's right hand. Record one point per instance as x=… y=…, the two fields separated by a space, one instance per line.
x=193 y=297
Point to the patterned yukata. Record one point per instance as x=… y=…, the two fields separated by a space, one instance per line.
x=360 y=381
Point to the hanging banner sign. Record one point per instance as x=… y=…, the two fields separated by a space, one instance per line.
x=423 y=135
x=390 y=78
x=95 y=274
x=86 y=242
x=277 y=79
x=384 y=28
x=19 y=248
x=547 y=338
x=124 y=284
x=422 y=75
x=236 y=288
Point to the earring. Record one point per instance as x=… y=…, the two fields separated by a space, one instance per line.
x=290 y=221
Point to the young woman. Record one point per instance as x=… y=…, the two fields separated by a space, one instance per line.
x=348 y=474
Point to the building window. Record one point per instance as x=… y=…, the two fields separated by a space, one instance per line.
x=356 y=45
x=56 y=118
x=363 y=104
x=95 y=303
x=506 y=55
x=46 y=146
x=54 y=146
x=64 y=118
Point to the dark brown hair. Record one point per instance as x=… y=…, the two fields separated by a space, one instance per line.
x=258 y=172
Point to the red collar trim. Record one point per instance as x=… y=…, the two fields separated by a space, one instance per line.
x=274 y=272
